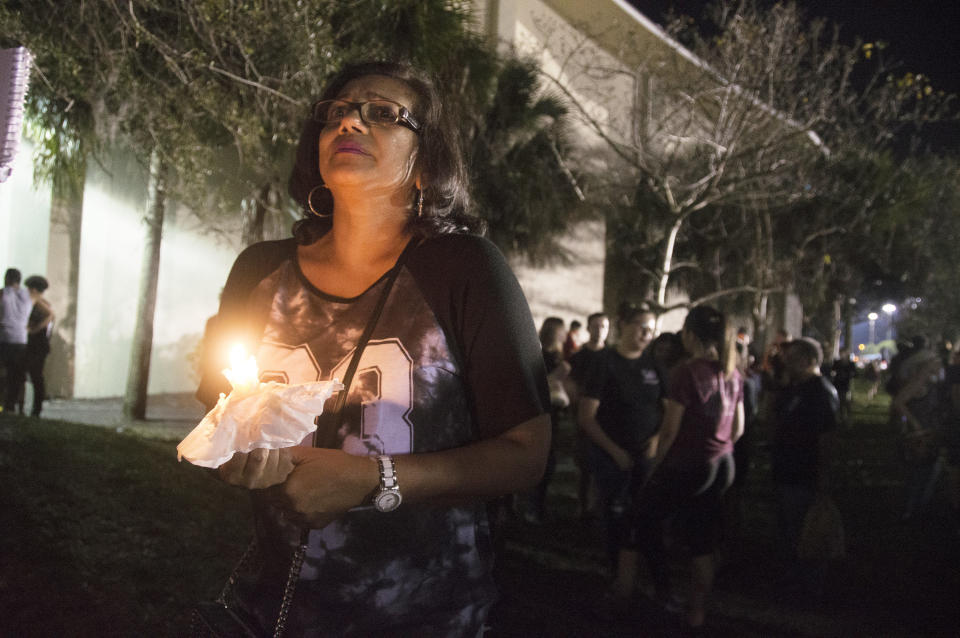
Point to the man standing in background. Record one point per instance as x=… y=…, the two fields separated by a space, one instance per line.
x=805 y=416
x=842 y=373
x=598 y=327
x=15 y=305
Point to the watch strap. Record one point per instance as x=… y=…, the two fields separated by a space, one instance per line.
x=388 y=472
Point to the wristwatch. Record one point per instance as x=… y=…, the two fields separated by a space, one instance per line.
x=387 y=497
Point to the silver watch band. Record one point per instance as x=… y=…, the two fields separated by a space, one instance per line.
x=388 y=475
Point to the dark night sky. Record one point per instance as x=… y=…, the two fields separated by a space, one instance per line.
x=922 y=34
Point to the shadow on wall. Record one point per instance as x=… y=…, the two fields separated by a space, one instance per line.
x=174 y=366
x=58 y=368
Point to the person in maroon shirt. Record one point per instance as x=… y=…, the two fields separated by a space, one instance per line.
x=693 y=465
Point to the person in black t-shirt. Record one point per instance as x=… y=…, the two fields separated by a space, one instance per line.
x=842 y=373
x=620 y=412
x=598 y=327
x=805 y=414
x=551 y=343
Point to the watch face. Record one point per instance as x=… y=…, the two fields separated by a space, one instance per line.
x=387 y=501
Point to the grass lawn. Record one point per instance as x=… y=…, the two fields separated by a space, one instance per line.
x=105 y=534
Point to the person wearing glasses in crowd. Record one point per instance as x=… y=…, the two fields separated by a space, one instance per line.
x=450 y=393
x=619 y=412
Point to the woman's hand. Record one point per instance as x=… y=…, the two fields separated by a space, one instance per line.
x=257 y=469
x=325 y=484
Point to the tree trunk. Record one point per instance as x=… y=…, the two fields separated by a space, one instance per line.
x=836 y=333
x=667 y=266
x=263 y=203
x=848 y=325
x=135 y=399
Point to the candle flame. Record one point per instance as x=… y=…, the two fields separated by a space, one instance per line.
x=243 y=373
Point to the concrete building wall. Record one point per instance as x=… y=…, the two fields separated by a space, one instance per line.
x=24 y=218
x=574 y=289
x=571 y=291
x=193 y=267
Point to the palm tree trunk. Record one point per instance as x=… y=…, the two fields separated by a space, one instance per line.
x=135 y=399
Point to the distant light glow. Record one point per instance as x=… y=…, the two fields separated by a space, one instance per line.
x=873 y=316
x=889 y=308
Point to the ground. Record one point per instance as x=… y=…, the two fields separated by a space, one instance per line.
x=105 y=534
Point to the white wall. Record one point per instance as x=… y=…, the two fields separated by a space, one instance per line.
x=569 y=292
x=193 y=267
x=24 y=218
x=574 y=290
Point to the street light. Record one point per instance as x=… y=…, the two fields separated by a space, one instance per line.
x=873 y=324
x=889 y=309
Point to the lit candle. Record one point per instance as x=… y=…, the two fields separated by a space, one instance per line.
x=243 y=373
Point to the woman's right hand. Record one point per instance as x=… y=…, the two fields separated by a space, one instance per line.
x=257 y=469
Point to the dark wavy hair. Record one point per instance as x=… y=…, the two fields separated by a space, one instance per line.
x=446 y=200
x=37 y=282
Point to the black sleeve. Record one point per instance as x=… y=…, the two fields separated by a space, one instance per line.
x=829 y=406
x=234 y=323
x=481 y=308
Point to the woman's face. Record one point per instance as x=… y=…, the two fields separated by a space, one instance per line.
x=353 y=153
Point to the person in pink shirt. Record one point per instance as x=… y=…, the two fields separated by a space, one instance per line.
x=693 y=464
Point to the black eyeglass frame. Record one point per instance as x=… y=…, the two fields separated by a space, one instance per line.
x=404 y=116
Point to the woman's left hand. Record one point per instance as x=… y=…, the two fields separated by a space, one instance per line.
x=325 y=484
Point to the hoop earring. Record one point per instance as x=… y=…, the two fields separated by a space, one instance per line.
x=419 y=203
x=310 y=202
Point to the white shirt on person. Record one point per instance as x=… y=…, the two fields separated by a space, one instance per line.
x=15 y=306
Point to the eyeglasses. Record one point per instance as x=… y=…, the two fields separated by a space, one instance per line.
x=374 y=113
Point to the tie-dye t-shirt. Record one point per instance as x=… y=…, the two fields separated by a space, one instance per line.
x=454 y=358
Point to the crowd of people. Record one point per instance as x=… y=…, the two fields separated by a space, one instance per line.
x=666 y=431
x=26 y=322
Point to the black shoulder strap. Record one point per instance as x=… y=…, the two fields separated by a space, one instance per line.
x=328 y=437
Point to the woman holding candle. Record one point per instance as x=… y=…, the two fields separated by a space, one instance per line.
x=448 y=406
